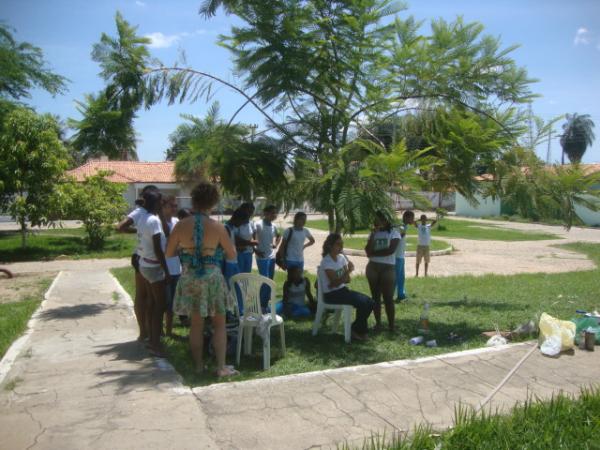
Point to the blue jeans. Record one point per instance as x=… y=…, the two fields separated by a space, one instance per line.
x=291 y=264
x=362 y=303
x=295 y=311
x=245 y=262
x=266 y=267
x=400 y=277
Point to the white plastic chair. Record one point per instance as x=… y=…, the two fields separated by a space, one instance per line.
x=346 y=310
x=249 y=285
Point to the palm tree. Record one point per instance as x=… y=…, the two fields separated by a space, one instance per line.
x=577 y=135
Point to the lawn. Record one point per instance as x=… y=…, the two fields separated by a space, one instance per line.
x=464 y=305
x=463 y=229
x=15 y=314
x=359 y=243
x=70 y=242
x=562 y=422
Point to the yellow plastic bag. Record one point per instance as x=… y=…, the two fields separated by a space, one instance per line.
x=562 y=329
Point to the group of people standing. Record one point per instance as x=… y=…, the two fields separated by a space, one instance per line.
x=184 y=259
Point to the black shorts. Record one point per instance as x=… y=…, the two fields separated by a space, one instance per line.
x=135 y=262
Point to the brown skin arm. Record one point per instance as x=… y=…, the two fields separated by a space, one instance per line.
x=334 y=280
x=309 y=295
x=161 y=256
x=124 y=226
x=311 y=241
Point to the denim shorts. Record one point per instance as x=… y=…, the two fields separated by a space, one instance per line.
x=152 y=274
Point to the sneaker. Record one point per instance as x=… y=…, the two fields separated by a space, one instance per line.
x=404 y=298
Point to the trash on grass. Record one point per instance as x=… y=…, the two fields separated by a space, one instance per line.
x=496 y=340
x=555 y=335
x=431 y=343
x=583 y=324
x=524 y=329
x=416 y=340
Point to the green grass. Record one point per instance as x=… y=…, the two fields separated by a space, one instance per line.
x=15 y=315
x=563 y=422
x=359 y=243
x=463 y=229
x=13 y=320
x=465 y=305
x=49 y=244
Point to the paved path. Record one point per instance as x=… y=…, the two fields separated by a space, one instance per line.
x=82 y=381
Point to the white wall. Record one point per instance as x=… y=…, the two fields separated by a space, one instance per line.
x=486 y=207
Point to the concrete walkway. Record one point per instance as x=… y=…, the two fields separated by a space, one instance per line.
x=82 y=381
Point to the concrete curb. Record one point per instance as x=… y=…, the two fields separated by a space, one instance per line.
x=17 y=346
x=445 y=251
x=381 y=365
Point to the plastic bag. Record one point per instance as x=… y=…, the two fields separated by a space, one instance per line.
x=496 y=340
x=562 y=330
x=585 y=323
x=551 y=346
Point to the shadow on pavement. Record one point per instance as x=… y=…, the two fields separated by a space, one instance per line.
x=73 y=312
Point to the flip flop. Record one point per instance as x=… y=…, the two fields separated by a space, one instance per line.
x=228 y=371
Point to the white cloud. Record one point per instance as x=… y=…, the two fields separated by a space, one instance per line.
x=140 y=3
x=582 y=36
x=159 y=40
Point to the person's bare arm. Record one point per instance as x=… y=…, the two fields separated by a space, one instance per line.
x=311 y=241
x=124 y=226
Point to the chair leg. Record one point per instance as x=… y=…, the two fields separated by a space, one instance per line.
x=240 y=337
x=282 y=334
x=336 y=320
x=318 y=317
x=248 y=341
x=347 y=325
x=267 y=352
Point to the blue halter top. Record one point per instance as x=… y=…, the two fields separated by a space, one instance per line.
x=197 y=261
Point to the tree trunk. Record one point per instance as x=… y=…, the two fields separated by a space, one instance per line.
x=331 y=220
x=23 y=232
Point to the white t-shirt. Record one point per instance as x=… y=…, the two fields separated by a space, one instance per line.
x=136 y=215
x=295 y=246
x=401 y=249
x=381 y=241
x=246 y=232
x=424 y=233
x=173 y=263
x=327 y=263
x=149 y=226
x=264 y=235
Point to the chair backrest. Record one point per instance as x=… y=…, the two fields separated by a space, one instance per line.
x=249 y=285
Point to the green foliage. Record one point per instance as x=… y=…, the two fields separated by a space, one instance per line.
x=13 y=320
x=577 y=135
x=22 y=67
x=98 y=203
x=540 y=192
x=32 y=160
x=243 y=166
x=106 y=126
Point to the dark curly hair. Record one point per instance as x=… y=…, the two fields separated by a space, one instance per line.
x=205 y=196
x=329 y=241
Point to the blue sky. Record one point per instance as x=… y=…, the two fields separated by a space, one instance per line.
x=560 y=46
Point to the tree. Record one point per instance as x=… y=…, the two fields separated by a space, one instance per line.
x=107 y=123
x=22 y=67
x=32 y=160
x=227 y=154
x=97 y=202
x=577 y=135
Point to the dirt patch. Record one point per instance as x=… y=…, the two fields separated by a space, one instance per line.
x=24 y=286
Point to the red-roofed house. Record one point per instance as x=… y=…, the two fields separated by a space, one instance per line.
x=137 y=175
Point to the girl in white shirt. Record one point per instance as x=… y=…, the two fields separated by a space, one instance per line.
x=381 y=269
x=334 y=274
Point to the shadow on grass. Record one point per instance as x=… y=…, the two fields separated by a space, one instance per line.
x=73 y=312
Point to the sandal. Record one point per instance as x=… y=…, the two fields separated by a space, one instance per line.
x=226 y=371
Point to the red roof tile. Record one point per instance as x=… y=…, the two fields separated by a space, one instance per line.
x=128 y=171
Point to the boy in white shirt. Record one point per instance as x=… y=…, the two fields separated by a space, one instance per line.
x=293 y=243
x=424 y=240
x=267 y=238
